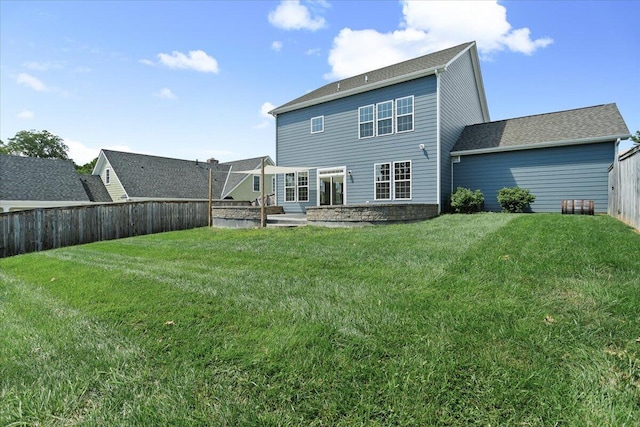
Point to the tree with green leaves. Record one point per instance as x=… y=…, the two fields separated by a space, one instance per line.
x=42 y=144
x=87 y=168
x=3 y=148
x=636 y=138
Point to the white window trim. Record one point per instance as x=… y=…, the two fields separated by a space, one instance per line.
x=107 y=176
x=253 y=183
x=326 y=172
x=295 y=195
x=321 y=121
x=373 y=121
x=390 y=181
x=413 y=118
x=378 y=119
x=298 y=186
x=410 y=180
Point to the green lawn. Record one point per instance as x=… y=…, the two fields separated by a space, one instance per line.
x=489 y=319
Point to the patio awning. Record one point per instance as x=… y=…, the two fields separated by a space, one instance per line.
x=272 y=170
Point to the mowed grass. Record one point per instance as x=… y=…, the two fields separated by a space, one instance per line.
x=488 y=319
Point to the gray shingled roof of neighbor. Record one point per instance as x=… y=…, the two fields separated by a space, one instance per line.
x=598 y=123
x=162 y=177
x=33 y=178
x=412 y=68
x=95 y=189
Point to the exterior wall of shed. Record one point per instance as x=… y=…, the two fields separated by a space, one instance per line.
x=114 y=188
x=460 y=105
x=578 y=172
x=339 y=146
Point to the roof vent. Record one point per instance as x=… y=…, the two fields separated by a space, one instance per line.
x=366 y=79
x=196 y=162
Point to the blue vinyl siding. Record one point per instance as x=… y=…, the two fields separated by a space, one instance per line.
x=339 y=145
x=460 y=105
x=552 y=174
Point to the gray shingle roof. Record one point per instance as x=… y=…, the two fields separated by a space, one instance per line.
x=597 y=122
x=95 y=189
x=32 y=178
x=162 y=177
x=375 y=78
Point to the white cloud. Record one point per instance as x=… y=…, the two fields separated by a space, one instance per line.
x=147 y=62
x=265 y=108
x=43 y=66
x=313 y=52
x=165 y=93
x=277 y=46
x=80 y=153
x=428 y=27
x=264 y=113
x=291 y=15
x=32 y=82
x=196 y=60
x=26 y=115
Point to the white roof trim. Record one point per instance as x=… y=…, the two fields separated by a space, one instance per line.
x=548 y=144
x=359 y=89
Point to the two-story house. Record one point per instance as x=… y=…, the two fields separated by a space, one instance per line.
x=382 y=136
x=388 y=137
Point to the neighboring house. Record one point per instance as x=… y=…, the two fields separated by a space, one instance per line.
x=138 y=177
x=388 y=136
x=31 y=182
x=557 y=156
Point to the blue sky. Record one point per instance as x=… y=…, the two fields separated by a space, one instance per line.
x=194 y=80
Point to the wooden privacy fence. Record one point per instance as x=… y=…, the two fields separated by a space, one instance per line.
x=41 y=229
x=624 y=188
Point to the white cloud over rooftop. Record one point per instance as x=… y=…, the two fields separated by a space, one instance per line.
x=429 y=27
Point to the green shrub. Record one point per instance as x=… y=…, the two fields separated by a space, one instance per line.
x=466 y=201
x=515 y=199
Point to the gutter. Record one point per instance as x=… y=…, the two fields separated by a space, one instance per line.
x=548 y=144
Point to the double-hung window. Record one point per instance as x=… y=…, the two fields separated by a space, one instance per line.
x=296 y=186
x=317 y=124
x=107 y=176
x=402 y=180
x=404 y=114
x=365 y=121
x=256 y=183
x=392 y=183
x=303 y=186
x=384 y=118
x=382 y=177
x=290 y=187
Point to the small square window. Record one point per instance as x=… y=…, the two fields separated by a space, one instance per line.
x=317 y=124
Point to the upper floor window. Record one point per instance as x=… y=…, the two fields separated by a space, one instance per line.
x=256 y=183
x=107 y=176
x=384 y=118
x=365 y=121
x=404 y=114
x=317 y=124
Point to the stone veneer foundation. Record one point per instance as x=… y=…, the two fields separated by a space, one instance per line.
x=369 y=214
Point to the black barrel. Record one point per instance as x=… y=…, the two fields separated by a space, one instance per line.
x=578 y=207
